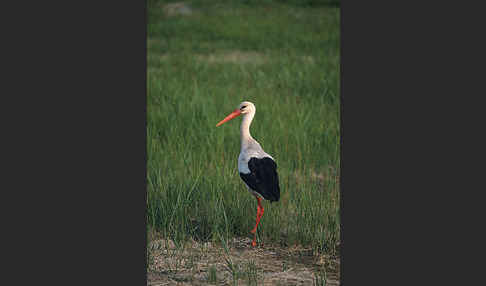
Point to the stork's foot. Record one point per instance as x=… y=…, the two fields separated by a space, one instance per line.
x=253 y=243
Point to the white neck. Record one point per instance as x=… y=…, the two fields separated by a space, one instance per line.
x=245 y=129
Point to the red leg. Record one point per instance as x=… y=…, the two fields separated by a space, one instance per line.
x=261 y=209
x=257 y=220
x=260 y=212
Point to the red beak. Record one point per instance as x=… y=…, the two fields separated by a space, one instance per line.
x=232 y=115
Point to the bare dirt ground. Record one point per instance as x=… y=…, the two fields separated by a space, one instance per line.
x=238 y=264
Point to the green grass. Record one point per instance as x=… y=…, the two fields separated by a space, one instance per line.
x=291 y=73
x=212 y=276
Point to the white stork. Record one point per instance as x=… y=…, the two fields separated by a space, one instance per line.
x=257 y=168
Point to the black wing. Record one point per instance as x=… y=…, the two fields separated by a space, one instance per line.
x=263 y=178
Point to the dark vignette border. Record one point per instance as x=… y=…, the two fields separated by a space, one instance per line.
x=82 y=194
x=402 y=68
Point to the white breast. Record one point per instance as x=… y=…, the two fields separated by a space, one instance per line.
x=246 y=155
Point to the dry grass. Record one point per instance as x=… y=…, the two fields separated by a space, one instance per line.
x=237 y=264
x=230 y=56
x=177 y=8
x=239 y=57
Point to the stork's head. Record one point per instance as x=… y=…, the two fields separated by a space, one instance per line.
x=245 y=107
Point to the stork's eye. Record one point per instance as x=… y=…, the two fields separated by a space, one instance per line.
x=243 y=107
